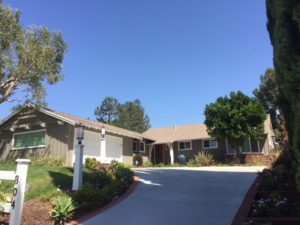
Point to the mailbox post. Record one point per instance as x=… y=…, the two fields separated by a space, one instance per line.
x=19 y=178
x=77 y=177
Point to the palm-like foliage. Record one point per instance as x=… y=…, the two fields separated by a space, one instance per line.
x=62 y=210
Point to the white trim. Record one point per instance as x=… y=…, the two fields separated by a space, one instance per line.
x=142 y=142
x=34 y=131
x=226 y=140
x=185 y=149
x=210 y=139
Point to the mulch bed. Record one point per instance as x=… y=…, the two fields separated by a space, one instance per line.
x=36 y=212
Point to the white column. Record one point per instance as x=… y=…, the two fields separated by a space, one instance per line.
x=150 y=151
x=77 y=176
x=102 y=146
x=171 y=152
x=19 y=192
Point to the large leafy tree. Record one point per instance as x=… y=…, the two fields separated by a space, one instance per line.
x=235 y=117
x=107 y=112
x=29 y=57
x=284 y=30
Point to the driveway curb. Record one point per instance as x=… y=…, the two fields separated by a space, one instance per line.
x=245 y=207
x=108 y=206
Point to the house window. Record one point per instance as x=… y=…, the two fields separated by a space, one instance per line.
x=211 y=143
x=134 y=147
x=185 y=145
x=249 y=146
x=139 y=146
x=31 y=139
x=142 y=147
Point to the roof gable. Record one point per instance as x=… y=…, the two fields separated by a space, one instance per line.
x=74 y=120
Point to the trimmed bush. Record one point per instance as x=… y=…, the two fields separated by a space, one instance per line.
x=100 y=178
x=91 y=163
x=124 y=174
x=86 y=197
x=103 y=186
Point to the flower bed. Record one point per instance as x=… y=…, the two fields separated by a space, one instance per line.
x=276 y=202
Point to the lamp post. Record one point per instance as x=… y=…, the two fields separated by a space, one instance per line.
x=77 y=177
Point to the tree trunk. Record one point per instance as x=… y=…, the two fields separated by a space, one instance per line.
x=237 y=153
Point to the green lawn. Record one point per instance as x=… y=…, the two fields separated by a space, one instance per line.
x=43 y=179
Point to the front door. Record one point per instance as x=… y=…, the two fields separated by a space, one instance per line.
x=158 y=154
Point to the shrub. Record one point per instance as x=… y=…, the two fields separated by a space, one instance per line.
x=103 y=186
x=204 y=159
x=51 y=162
x=62 y=209
x=100 y=178
x=86 y=197
x=6 y=190
x=91 y=163
x=192 y=163
x=137 y=160
x=148 y=163
x=124 y=174
x=113 y=166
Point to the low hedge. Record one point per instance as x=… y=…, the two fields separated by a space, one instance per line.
x=103 y=187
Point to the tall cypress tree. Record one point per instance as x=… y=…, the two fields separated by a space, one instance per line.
x=284 y=29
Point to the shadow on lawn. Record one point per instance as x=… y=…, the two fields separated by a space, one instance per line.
x=64 y=181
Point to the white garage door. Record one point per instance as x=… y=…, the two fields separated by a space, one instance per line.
x=114 y=146
x=91 y=143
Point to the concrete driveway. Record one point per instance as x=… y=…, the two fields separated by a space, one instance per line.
x=182 y=196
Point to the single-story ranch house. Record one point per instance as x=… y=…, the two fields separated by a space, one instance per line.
x=40 y=132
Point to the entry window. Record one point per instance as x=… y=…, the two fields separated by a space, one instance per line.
x=212 y=143
x=32 y=139
x=185 y=145
x=142 y=147
x=134 y=146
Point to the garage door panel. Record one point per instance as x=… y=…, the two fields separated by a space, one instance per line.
x=114 y=147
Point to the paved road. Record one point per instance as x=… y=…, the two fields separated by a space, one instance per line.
x=205 y=196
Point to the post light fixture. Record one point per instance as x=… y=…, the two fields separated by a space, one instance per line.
x=79 y=132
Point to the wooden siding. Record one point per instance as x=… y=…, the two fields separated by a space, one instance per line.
x=197 y=147
x=59 y=138
x=127 y=150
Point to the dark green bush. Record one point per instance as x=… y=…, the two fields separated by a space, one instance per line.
x=100 y=178
x=86 y=197
x=103 y=186
x=123 y=173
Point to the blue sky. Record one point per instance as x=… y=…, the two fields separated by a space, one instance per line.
x=176 y=56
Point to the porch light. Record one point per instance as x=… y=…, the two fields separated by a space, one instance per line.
x=79 y=132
